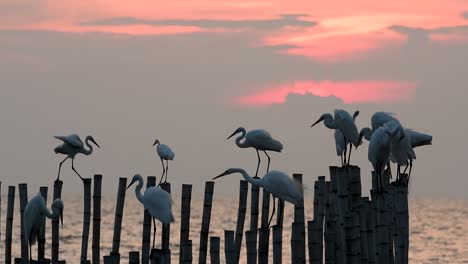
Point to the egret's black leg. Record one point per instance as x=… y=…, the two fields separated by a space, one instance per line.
x=273 y=212
x=167 y=169
x=349 y=157
x=164 y=172
x=154 y=231
x=268 y=166
x=279 y=219
x=60 y=167
x=73 y=168
x=30 y=252
x=345 y=151
x=342 y=163
x=410 y=167
x=258 y=164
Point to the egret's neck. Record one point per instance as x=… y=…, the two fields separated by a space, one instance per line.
x=53 y=215
x=138 y=191
x=90 y=147
x=247 y=177
x=330 y=123
x=239 y=138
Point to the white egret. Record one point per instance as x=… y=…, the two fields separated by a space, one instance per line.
x=71 y=146
x=35 y=213
x=258 y=139
x=157 y=201
x=378 y=119
x=401 y=151
x=419 y=139
x=343 y=122
x=164 y=153
x=279 y=184
x=379 y=150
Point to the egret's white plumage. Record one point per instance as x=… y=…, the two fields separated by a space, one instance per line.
x=379 y=119
x=258 y=139
x=71 y=146
x=345 y=130
x=419 y=139
x=35 y=213
x=157 y=201
x=278 y=183
x=165 y=154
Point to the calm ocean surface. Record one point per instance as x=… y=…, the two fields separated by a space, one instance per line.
x=438 y=228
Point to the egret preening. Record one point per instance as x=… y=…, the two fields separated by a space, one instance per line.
x=71 y=146
x=343 y=124
x=401 y=151
x=258 y=139
x=35 y=213
x=419 y=139
x=157 y=201
x=379 y=150
x=279 y=184
x=164 y=153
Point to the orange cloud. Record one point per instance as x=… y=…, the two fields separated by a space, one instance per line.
x=348 y=92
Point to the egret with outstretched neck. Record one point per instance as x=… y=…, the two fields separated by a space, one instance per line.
x=258 y=139
x=35 y=213
x=157 y=201
x=344 y=125
x=278 y=183
x=71 y=146
x=164 y=153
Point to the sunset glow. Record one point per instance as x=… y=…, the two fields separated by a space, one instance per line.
x=348 y=92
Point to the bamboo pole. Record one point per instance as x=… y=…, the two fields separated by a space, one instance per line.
x=363 y=211
x=86 y=218
x=251 y=245
x=205 y=227
x=381 y=228
x=157 y=256
x=243 y=191
x=330 y=225
x=401 y=220
x=96 y=219
x=229 y=246
x=315 y=228
x=23 y=196
x=118 y=219
x=41 y=238
x=185 y=219
x=214 y=250
x=107 y=260
x=314 y=238
x=351 y=180
x=146 y=236
x=187 y=258
x=298 y=236
x=263 y=247
x=55 y=223
x=166 y=231
x=340 y=193
x=277 y=244
x=134 y=257
x=9 y=223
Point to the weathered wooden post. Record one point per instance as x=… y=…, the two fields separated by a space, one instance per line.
x=214 y=250
x=277 y=244
x=41 y=239
x=23 y=198
x=363 y=211
x=330 y=225
x=185 y=219
x=115 y=255
x=55 y=224
x=243 y=191
x=147 y=222
x=401 y=220
x=187 y=257
x=229 y=246
x=264 y=231
x=205 y=227
x=381 y=228
x=340 y=202
x=96 y=219
x=166 y=231
x=298 y=228
x=351 y=180
x=9 y=223
x=134 y=257
x=86 y=220
x=251 y=245
x=315 y=227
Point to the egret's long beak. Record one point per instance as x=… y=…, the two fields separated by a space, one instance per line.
x=154 y=143
x=219 y=176
x=95 y=143
x=61 y=216
x=130 y=184
x=318 y=121
x=235 y=132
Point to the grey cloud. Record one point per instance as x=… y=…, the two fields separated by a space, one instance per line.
x=465 y=15
x=418 y=31
x=282 y=21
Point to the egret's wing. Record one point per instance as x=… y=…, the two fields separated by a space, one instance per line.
x=419 y=139
x=262 y=138
x=259 y=135
x=72 y=139
x=339 y=142
x=164 y=151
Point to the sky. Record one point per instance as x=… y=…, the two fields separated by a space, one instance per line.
x=189 y=73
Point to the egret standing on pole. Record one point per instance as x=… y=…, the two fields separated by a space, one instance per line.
x=157 y=201
x=278 y=183
x=344 y=125
x=35 y=213
x=71 y=146
x=258 y=139
x=164 y=153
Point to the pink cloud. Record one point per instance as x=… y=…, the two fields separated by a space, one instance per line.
x=348 y=92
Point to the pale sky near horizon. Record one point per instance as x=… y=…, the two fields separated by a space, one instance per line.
x=191 y=73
